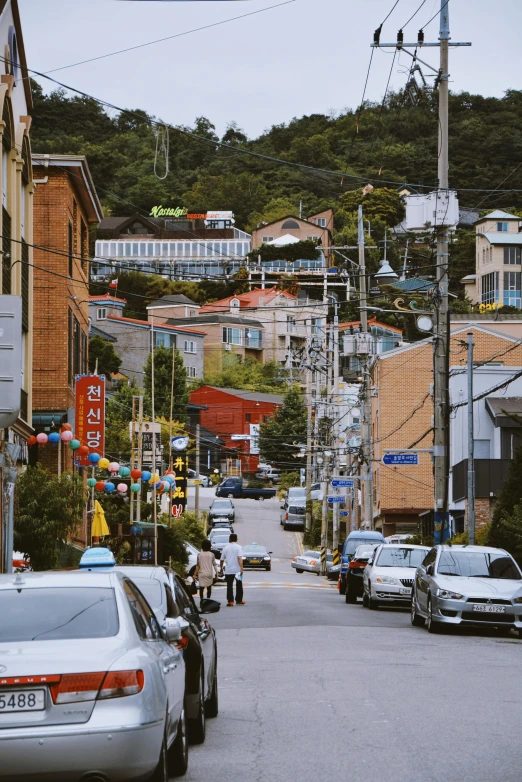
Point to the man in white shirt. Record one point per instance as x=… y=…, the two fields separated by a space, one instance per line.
x=232 y=561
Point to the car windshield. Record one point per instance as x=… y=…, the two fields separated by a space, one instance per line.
x=401 y=557
x=353 y=544
x=223 y=505
x=478 y=564
x=312 y=554
x=254 y=550
x=297 y=510
x=364 y=552
x=57 y=614
x=297 y=491
x=150 y=588
x=220 y=539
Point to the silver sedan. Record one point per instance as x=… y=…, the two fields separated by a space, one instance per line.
x=310 y=562
x=90 y=687
x=468 y=585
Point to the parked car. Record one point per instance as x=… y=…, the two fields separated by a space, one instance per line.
x=354 y=539
x=218 y=543
x=389 y=578
x=167 y=595
x=203 y=479
x=256 y=556
x=467 y=585
x=310 y=562
x=20 y=562
x=271 y=476
x=299 y=492
x=356 y=567
x=85 y=656
x=220 y=526
x=334 y=572
x=221 y=509
x=294 y=516
x=236 y=487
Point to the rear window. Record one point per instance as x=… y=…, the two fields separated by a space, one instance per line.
x=296 y=510
x=352 y=544
x=150 y=588
x=57 y=614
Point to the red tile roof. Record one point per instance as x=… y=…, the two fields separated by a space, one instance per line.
x=371 y=322
x=107 y=297
x=251 y=299
x=120 y=319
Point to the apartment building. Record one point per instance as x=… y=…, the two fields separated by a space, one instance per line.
x=497 y=280
x=317 y=228
x=65 y=207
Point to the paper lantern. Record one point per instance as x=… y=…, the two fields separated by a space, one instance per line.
x=66 y=428
x=91 y=482
x=109 y=486
x=41 y=438
x=66 y=436
x=146 y=475
x=122 y=488
x=31 y=441
x=124 y=472
x=135 y=487
x=74 y=445
x=136 y=529
x=83 y=450
x=100 y=485
x=170 y=472
x=114 y=467
x=169 y=478
x=94 y=458
x=165 y=486
x=154 y=477
x=103 y=463
x=136 y=474
x=54 y=438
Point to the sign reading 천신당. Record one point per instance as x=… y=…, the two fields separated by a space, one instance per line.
x=90 y=414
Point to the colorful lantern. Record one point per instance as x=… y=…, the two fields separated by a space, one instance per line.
x=66 y=436
x=41 y=438
x=124 y=472
x=74 y=445
x=146 y=475
x=165 y=486
x=91 y=482
x=109 y=486
x=136 y=529
x=154 y=477
x=136 y=474
x=66 y=428
x=103 y=463
x=83 y=450
x=122 y=488
x=94 y=458
x=135 y=487
x=54 y=437
x=114 y=467
x=31 y=441
x=100 y=485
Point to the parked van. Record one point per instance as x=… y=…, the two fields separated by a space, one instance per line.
x=294 y=516
x=354 y=539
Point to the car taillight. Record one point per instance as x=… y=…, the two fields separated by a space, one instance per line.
x=75 y=687
x=354 y=564
x=294 y=559
x=287 y=516
x=182 y=643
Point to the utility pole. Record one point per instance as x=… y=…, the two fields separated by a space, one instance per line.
x=196 y=493
x=324 y=512
x=308 y=370
x=335 y=425
x=471 y=455
x=154 y=504
x=366 y=444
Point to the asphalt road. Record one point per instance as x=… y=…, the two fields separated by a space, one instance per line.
x=313 y=688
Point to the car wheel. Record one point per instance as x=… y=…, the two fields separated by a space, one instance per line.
x=260 y=499
x=365 y=600
x=299 y=570
x=416 y=619
x=230 y=496
x=269 y=567
x=350 y=597
x=177 y=755
x=196 y=726
x=285 y=528
x=432 y=625
x=161 y=773
x=342 y=588
x=211 y=706
x=373 y=605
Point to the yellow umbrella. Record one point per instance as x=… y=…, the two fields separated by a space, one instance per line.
x=99 y=525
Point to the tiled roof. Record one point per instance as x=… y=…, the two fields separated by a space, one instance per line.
x=250 y=299
x=177 y=298
x=501 y=237
x=107 y=297
x=372 y=322
x=414 y=284
x=498 y=214
x=135 y=321
x=249 y=396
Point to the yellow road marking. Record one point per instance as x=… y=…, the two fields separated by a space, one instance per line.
x=300 y=548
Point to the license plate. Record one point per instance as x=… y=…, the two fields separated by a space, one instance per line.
x=487 y=609
x=255 y=561
x=22 y=700
x=405 y=591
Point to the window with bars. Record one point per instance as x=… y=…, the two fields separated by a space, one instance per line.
x=6 y=252
x=70 y=346
x=25 y=286
x=512 y=289
x=489 y=288
x=512 y=256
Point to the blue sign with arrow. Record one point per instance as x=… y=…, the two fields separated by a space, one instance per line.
x=336 y=499
x=400 y=458
x=343 y=513
x=346 y=483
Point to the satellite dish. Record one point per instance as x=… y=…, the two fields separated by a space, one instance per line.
x=425 y=323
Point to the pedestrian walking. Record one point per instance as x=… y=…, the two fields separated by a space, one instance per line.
x=206 y=569
x=232 y=562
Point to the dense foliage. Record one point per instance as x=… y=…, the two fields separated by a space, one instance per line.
x=281 y=430
x=506 y=526
x=163 y=377
x=103 y=359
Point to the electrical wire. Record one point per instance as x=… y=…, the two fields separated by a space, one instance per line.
x=435 y=15
x=414 y=14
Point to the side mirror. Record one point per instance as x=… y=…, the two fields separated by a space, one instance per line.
x=209 y=606
x=270 y=552
x=172 y=629
x=430 y=570
x=370 y=562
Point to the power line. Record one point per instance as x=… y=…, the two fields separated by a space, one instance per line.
x=414 y=14
x=435 y=15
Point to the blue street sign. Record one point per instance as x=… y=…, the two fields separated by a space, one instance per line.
x=343 y=513
x=400 y=458
x=346 y=483
x=336 y=499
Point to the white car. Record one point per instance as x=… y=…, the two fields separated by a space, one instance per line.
x=203 y=479
x=192 y=552
x=389 y=576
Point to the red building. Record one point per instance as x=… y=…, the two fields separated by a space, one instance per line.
x=235 y=416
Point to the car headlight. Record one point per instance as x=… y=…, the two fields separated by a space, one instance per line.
x=386 y=580
x=517 y=600
x=266 y=558
x=447 y=595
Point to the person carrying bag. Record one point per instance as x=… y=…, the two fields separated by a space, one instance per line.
x=206 y=571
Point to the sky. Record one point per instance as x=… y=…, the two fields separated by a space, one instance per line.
x=301 y=58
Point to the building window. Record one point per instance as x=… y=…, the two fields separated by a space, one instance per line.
x=512 y=289
x=512 y=256
x=489 y=288
x=191 y=371
x=25 y=286
x=190 y=347
x=84 y=245
x=235 y=304
x=192 y=313
x=502 y=227
x=84 y=353
x=6 y=252
x=74 y=363
x=248 y=417
x=101 y=313
x=292 y=225
x=316 y=325
x=266 y=239
x=232 y=336
x=70 y=245
x=253 y=338
x=321 y=221
x=164 y=340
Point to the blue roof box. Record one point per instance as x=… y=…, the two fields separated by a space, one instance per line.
x=97 y=557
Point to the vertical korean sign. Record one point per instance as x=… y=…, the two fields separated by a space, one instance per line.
x=90 y=414
x=180 y=467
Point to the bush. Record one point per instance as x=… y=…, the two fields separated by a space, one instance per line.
x=312 y=537
x=506 y=533
x=462 y=538
x=288 y=479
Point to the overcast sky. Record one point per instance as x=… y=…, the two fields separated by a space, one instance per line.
x=309 y=56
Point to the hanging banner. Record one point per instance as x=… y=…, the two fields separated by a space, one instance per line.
x=89 y=426
x=179 y=488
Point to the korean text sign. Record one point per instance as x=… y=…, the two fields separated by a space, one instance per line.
x=90 y=414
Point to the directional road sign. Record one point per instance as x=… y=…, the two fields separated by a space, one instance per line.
x=400 y=458
x=346 y=483
x=343 y=513
x=336 y=499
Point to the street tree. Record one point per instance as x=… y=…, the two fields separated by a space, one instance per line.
x=285 y=427
x=102 y=357
x=163 y=383
x=48 y=509
x=506 y=524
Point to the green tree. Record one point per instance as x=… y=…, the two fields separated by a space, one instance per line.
x=163 y=384
x=48 y=509
x=506 y=524
x=250 y=375
x=103 y=357
x=285 y=427
x=381 y=202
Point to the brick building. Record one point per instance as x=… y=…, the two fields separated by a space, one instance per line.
x=402 y=417
x=65 y=206
x=232 y=414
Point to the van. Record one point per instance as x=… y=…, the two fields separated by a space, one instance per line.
x=354 y=539
x=294 y=517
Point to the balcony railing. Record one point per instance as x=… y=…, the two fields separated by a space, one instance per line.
x=24 y=405
x=256 y=343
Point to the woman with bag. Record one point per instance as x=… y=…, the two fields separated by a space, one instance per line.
x=206 y=571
